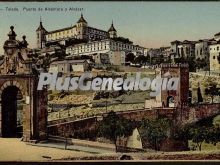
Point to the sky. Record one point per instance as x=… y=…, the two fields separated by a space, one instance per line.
x=149 y=24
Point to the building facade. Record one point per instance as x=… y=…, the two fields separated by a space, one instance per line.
x=174 y=49
x=214 y=59
x=186 y=49
x=202 y=49
x=110 y=58
x=68 y=66
x=103 y=46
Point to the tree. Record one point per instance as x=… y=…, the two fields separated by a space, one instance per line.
x=200 y=132
x=199 y=95
x=189 y=60
x=201 y=63
x=213 y=135
x=198 y=136
x=141 y=59
x=155 y=131
x=181 y=132
x=73 y=41
x=122 y=39
x=112 y=126
x=212 y=91
x=206 y=134
x=130 y=57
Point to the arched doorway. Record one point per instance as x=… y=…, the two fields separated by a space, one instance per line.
x=170 y=101
x=12 y=112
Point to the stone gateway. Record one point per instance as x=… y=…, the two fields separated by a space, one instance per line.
x=23 y=109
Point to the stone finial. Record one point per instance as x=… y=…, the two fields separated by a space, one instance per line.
x=12 y=28
x=12 y=35
x=24 y=43
x=24 y=37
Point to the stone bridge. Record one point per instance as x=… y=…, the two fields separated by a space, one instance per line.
x=86 y=127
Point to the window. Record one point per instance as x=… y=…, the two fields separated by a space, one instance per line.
x=213 y=57
x=217 y=47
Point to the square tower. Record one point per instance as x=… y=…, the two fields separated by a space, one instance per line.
x=179 y=97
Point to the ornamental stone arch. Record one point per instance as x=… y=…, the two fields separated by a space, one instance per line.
x=12 y=83
x=33 y=103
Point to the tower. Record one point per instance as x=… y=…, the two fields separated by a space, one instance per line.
x=41 y=36
x=81 y=27
x=179 y=97
x=112 y=32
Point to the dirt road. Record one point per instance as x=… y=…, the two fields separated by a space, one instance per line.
x=15 y=150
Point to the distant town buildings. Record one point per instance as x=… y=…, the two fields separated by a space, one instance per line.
x=205 y=50
x=105 y=47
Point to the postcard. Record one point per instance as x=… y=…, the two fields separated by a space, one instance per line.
x=109 y=81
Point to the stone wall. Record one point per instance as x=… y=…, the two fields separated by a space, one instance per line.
x=82 y=129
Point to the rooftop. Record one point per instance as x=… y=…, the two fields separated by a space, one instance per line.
x=81 y=19
x=62 y=29
x=217 y=34
x=69 y=61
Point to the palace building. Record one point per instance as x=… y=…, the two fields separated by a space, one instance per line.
x=80 y=30
x=90 y=40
